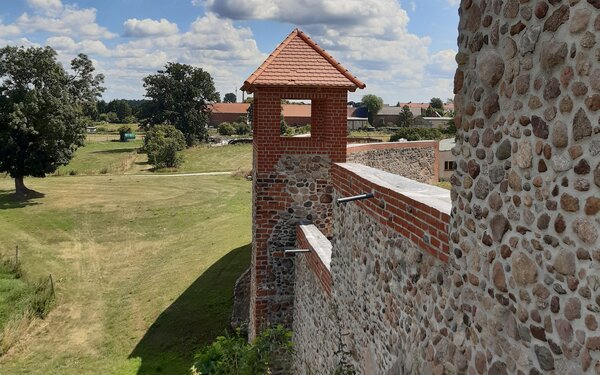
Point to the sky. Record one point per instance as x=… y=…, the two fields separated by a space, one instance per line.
x=403 y=50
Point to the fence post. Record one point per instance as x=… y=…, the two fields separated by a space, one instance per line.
x=52 y=286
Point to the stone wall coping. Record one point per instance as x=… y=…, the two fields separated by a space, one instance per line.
x=360 y=147
x=429 y=195
x=318 y=242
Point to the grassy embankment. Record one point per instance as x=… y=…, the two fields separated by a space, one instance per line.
x=144 y=265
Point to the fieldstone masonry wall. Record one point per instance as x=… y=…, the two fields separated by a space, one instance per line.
x=526 y=193
x=415 y=160
x=392 y=303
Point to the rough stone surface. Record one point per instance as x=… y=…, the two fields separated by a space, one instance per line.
x=416 y=163
x=490 y=68
x=582 y=127
x=565 y=263
x=524 y=269
x=537 y=229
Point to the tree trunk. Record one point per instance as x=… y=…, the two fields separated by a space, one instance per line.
x=20 y=187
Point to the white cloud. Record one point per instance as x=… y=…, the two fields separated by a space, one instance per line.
x=148 y=27
x=67 y=45
x=48 y=5
x=454 y=3
x=70 y=20
x=443 y=62
x=8 y=30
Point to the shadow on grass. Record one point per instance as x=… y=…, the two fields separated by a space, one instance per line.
x=194 y=319
x=10 y=200
x=115 y=151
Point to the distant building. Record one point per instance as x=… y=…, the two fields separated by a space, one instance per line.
x=391 y=115
x=447 y=160
x=227 y=112
x=356 y=123
x=294 y=114
x=431 y=122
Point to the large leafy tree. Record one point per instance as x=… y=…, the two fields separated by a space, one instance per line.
x=180 y=96
x=436 y=103
x=230 y=98
x=42 y=106
x=373 y=103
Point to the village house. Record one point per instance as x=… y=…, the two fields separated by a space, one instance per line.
x=391 y=115
x=294 y=114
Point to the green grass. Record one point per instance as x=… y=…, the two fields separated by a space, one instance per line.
x=13 y=294
x=102 y=157
x=121 y=157
x=144 y=268
x=114 y=128
x=381 y=135
x=217 y=159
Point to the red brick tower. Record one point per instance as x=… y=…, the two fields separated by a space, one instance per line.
x=291 y=175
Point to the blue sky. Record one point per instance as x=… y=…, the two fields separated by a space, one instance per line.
x=402 y=50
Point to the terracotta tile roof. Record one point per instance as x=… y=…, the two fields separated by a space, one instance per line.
x=230 y=107
x=299 y=61
x=289 y=110
x=296 y=110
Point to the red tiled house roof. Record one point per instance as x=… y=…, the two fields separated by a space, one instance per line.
x=299 y=61
x=292 y=110
x=295 y=114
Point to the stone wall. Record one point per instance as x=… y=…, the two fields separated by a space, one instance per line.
x=526 y=190
x=415 y=160
x=314 y=310
x=392 y=305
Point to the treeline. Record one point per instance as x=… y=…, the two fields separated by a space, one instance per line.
x=119 y=111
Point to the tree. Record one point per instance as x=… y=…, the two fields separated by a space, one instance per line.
x=373 y=103
x=121 y=108
x=405 y=117
x=180 y=95
x=41 y=111
x=230 y=98
x=436 y=103
x=162 y=144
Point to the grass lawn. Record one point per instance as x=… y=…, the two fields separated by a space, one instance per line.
x=113 y=127
x=216 y=159
x=121 y=157
x=144 y=268
x=102 y=157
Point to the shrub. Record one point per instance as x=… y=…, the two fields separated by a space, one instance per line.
x=226 y=128
x=122 y=131
x=232 y=354
x=416 y=134
x=162 y=144
x=242 y=128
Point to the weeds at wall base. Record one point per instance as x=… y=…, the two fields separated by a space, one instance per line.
x=34 y=302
